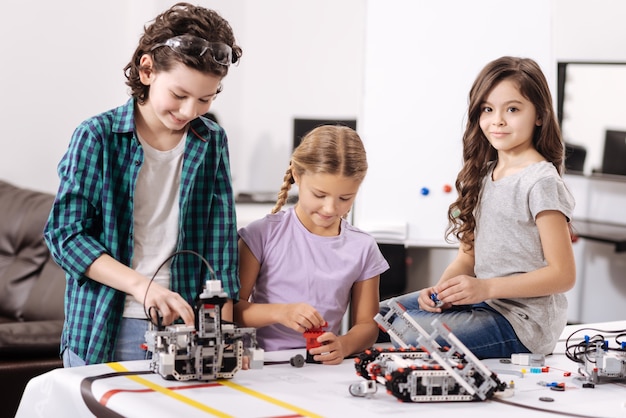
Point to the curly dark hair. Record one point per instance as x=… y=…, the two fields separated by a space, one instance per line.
x=180 y=19
x=478 y=152
x=328 y=149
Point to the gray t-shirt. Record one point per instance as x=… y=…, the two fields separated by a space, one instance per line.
x=507 y=243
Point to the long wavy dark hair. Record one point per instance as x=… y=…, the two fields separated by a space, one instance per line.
x=180 y=19
x=478 y=152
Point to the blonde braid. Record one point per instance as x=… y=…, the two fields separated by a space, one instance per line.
x=327 y=149
x=283 y=193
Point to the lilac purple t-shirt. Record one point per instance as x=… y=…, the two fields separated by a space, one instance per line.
x=298 y=266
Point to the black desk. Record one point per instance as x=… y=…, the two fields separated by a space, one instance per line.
x=601 y=231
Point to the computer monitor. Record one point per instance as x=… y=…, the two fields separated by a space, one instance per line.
x=575 y=156
x=302 y=126
x=614 y=159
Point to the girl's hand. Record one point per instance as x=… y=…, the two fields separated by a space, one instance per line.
x=426 y=302
x=463 y=290
x=331 y=351
x=300 y=317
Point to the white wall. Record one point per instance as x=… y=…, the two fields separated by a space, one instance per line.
x=415 y=101
x=61 y=62
x=301 y=59
x=590 y=31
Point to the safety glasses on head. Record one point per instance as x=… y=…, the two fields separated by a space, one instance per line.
x=194 y=46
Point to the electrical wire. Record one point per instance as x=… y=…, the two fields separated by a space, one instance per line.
x=98 y=409
x=157 y=315
x=579 y=352
x=549 y=411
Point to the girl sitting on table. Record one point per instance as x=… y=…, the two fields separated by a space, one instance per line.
x=503 y=294
x=300 y=268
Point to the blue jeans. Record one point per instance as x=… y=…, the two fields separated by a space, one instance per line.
x=482 y=329
x=130 y=339
x=71 y=359
x=128 y=347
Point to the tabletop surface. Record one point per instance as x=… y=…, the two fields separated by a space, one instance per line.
x=282 y=390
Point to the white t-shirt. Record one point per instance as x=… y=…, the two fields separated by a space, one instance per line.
x=155 y=217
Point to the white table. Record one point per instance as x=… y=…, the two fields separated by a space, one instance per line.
x=280 y=390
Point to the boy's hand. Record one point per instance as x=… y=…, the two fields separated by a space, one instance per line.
x=170 y=305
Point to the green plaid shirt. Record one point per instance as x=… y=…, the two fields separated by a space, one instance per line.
x=93 y=215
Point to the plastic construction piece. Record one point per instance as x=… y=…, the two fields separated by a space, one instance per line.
x=310 y=335
x=363 y=388
x=297 y=360
x=214 y=350
x=599 y=360
x=602 y=363
x=528 y=359
x=421 y=370
x=553 y=385
x=434 y=298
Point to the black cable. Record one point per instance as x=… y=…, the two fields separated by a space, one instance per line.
x=579 y=352
x=159 y=319
x=98 y=409
x=550 y=411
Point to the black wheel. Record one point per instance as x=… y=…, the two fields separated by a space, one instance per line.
x=363 y=359
x=395 y=380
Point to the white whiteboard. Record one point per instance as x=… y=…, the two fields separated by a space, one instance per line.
x=421 y=58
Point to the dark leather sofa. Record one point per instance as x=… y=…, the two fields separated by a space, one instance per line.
x=32 y=287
